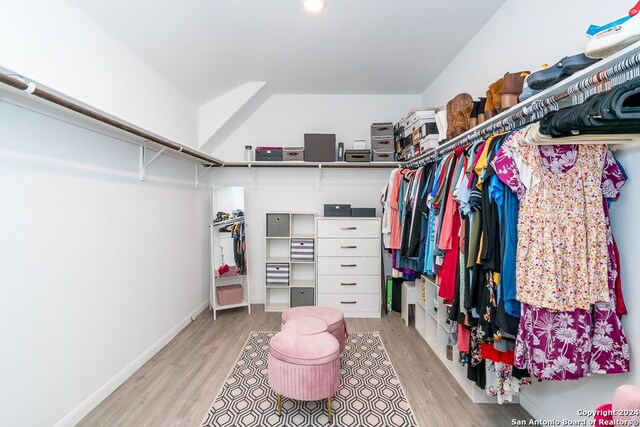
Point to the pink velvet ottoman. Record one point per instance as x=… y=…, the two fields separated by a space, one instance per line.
x=304 y=362
x=334 y=319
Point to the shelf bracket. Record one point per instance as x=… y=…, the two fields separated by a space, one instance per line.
x=319 y=179
x=200 y=175
x=254 y=175
x=144 y=163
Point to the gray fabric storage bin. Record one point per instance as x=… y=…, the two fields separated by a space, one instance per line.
x=382 y=144
x=293 y=153
x=277 y=274
x=380 y=156
x=357 y=155
x=302 y=297
x=337 y=210
x=319 y=147
x=363 y=212
x=384 y=129
x=302 y=250
x=277 y=225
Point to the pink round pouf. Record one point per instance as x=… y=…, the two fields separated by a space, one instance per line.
x=304 y=367
x=305 y=325
x=334 y=319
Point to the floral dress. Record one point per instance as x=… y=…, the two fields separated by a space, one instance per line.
x=562 y=248
x=570 y=345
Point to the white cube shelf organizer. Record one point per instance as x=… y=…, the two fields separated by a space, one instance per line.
x=431 y=323
x=290 y=260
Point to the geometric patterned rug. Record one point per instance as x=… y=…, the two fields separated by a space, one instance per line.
x=369 y=393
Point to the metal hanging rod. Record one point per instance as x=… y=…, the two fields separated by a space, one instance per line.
x=32 y=89
x=316 y=165
x=229 y=221
x=610 y=71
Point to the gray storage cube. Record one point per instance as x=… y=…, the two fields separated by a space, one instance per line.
x=319 y=147
x=379 y=156
x=277 y=225
x=382 y=129
x=293 y=153
x=383 y=145
x=302 y=297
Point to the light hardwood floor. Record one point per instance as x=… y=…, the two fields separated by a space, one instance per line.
x=178 y=385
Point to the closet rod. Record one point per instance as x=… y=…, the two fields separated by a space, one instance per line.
x=525 y=112
x=32 y=89
x=316 y=165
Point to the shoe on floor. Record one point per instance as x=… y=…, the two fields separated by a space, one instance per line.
x=607 y=39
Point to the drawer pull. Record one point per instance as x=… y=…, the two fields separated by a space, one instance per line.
x=349 y=247
x=348 y=228
x=348 y=284
x=348 y=265
x=347 y=302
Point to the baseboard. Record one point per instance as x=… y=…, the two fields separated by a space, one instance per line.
x=531 y=407
x=73 y=417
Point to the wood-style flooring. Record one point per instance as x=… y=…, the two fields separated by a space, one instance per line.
x=178 y=385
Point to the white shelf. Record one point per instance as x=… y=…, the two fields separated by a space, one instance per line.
x=244 y=303
x=278 y=260
x=302 y=274
x=302 y=284
x=420 y=303
x=277 y=306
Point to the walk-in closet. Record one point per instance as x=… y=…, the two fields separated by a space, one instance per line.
x=315 y=213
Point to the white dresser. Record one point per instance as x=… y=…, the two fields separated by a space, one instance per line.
x=348 y=265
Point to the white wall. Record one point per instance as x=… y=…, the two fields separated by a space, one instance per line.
x=294 y=190
x=284 y=119
x=522 y=35
x=53 y=43
x=99 y=269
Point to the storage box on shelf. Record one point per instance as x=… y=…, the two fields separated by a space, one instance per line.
x=409 y=142
x=289 y=260
x=349 y=265
x=431 y=323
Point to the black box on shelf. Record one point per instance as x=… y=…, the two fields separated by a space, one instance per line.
x=319 y=147
x=269 y=154
x=337 y=210
x=363 y=212
x=357 y=155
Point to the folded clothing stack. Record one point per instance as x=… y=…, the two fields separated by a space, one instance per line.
x=616 y=111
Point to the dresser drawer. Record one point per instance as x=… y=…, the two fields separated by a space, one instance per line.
x=348 y=284
x=345 y=228
x=351 y=303
x=349 y=265
x=349 y=247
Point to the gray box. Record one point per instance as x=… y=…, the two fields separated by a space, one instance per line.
x=384 y=129
x=382 y=144
x=277 y=225
x=379 y=156
x=357 y=155
x=319 y=147
x=337 y=210
x=302 y=297
x=293 y=153
x=363 y=212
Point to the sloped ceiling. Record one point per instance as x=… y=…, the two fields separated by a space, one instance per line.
x=208 y=47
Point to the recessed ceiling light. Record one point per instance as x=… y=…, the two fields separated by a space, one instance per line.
x=314 y=5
